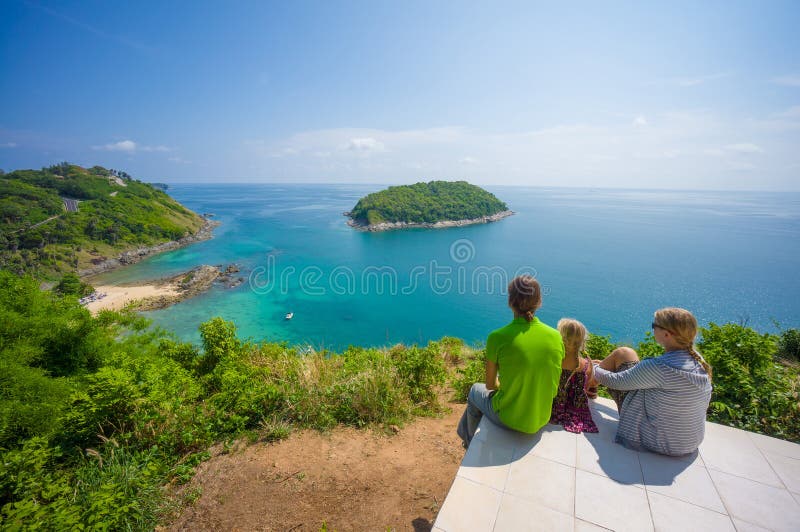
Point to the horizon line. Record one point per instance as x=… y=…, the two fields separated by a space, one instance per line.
x=386 y=185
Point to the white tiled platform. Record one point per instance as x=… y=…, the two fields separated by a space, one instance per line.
x=556 y=480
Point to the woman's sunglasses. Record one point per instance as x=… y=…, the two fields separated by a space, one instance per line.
x=654 y=325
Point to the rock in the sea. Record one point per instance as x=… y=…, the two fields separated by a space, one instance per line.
x=198 y=279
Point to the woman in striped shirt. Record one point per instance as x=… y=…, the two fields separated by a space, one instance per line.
x=662 y=401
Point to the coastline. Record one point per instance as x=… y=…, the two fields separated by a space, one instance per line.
x=118 y=297
x=158 y=294
x=391 y=226
x=134 y=255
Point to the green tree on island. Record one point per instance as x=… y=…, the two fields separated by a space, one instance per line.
x=430 y=202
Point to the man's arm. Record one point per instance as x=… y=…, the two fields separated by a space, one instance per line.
x=492 y=382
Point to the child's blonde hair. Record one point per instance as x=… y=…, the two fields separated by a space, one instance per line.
x=573 y=332
x=683 y=327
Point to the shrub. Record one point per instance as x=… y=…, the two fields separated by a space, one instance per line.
x=245 y=396
x=473 y=370
x=31 y=403
x=34 y=492
x=598 y=347
x=117 y=489
x=422 y=371
x=789 y=344
x=751 y=390
x=52 y=333
x=71 y=285
x=219 y=341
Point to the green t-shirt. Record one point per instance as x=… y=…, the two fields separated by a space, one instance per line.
x=528 y=356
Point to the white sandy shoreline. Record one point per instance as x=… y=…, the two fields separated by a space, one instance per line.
x=118 y=297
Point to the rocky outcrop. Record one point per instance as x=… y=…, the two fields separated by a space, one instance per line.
x=189 y=284
x=390 y=226
x=186 y=285
x=101 y=265
x=228 y=279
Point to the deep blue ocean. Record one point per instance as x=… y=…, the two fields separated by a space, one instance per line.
x=606 y=257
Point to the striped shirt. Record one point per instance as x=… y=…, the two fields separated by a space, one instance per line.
x=665 y=408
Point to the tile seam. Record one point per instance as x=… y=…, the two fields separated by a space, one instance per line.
x=692 y=503
x=718 y=470
x=764 y=456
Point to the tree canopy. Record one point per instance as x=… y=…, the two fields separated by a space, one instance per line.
x=114 y=212
x=430 y=202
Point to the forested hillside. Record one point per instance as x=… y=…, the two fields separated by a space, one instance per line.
x=430 y=202
x=62 y=218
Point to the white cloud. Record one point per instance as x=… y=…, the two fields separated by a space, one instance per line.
x=123 y=145
x=129 y=146
x=789 y=81
x=744 y=147
x=179 y=160
x=640 y=121
x=366 y=144
x=681 y=149
x=8 y=145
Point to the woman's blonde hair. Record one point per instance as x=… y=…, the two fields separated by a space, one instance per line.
x=573 y=332
x=524 y=296
x=683 y=327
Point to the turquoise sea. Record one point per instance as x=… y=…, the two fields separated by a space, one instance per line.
x=607 y=257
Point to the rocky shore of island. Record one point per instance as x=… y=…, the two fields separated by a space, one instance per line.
x=391 y=226
x=105 y=264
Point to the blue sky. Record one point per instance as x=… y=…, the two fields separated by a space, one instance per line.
x=604 y=94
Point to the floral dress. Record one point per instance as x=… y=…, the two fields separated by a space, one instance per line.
x=571 y=404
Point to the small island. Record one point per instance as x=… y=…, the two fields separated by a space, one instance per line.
x=436 y=204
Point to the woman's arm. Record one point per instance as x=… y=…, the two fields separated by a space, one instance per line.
x=492 y=382
x=645 y=374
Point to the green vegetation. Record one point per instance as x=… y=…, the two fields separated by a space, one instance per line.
x=98 y=415
x=426 y=203
x=71 y=284
x=115 y=212
x=93 y=422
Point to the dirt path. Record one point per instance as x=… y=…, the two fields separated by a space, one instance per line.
x=34 y=226
x=347 y=479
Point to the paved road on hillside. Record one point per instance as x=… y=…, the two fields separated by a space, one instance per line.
x=70 y=204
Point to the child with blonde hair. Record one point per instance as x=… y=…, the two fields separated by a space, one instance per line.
x=662 y=401
x=571 y=403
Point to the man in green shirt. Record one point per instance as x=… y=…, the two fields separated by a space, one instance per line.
x=528 y=353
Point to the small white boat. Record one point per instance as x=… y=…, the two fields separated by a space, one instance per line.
x=290 y=315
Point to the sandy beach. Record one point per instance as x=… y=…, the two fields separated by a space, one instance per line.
x=117 y=297
x=161 y=293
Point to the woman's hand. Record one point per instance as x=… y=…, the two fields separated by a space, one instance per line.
x=591 y=383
